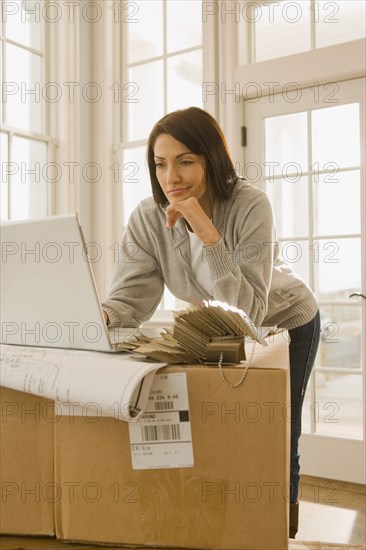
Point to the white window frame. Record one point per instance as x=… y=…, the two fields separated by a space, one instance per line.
x=96 y=135
x=209 y=71
x=49 y=131
x=329 y=64
x=314 y=462
x=84 y=52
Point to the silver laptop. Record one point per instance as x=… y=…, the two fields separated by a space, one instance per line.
x=48 y=292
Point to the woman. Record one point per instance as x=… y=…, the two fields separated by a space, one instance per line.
x=206 y=233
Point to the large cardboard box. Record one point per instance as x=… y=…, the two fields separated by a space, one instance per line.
x=233 y=496
x=26 y=464
x=27 y=543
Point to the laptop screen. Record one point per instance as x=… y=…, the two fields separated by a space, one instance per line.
x=48 y=293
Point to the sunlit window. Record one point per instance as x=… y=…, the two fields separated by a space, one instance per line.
x=285 y=28
x=162 y=72
x=316 y=198
x=24 y=143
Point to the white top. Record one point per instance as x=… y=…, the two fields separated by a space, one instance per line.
x=199 y=263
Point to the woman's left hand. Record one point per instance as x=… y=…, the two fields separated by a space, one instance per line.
x=191 y=210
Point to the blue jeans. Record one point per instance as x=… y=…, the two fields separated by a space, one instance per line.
x=303 y=347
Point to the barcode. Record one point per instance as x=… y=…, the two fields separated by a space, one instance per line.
x=161 y=433
x=164 y=405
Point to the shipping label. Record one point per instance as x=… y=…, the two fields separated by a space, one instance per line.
x=161 y=438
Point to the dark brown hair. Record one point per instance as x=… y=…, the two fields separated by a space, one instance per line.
x=202 y=135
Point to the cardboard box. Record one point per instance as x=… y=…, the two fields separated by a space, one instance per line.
x=26 y=464
x=14 y=543
x=235 y=496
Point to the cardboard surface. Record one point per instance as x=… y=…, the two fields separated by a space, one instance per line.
x=238 y=484
x=23 y=543
x=26 y=464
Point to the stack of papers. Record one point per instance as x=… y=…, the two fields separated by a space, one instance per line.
x=200 y=334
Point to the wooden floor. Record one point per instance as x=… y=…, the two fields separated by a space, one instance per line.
x=332 y=512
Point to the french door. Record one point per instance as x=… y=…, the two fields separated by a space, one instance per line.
x=306 y=148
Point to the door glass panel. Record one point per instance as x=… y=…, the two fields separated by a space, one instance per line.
x=281 y=29
x=286 y=145
x=184 y=77
x=340 y=21
x=1 y=81
x=337 y=267
x=135 y=179
x=328 y=234
x=340 y=343
x=335 y=197
x=23 y=102
x=145 y=99
x=28 y=192
x=184 y=25
x=338 y=409
x=290 y=205
x=336 y=136
x=296 y=254
x=171 y=302
x=144 y=24
x=24 y=21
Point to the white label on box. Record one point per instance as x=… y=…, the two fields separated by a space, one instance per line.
x=162 y=438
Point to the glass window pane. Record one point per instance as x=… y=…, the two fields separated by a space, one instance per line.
x=286 y=145
x=184 y=24
x=144 y=24
x=4 y=176
x=290 y=204
x=23 y=96
x=24 y=21
x=145 y=99
x=340 y=342
x=338 y=409
x=135 y=180
x=2 y=83
x=28 y=192
x=281 y=29
x=184 y=77
x=171 y=302
x=336 y=196
x=336 y=136
x=337 y=268
x=296 y=254
x=341 y=21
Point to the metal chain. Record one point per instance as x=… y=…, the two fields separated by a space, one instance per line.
x=223 y=376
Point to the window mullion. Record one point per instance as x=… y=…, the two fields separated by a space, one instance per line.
x=310 y=199
x=124 y=73
x=24 y=47
x=27 y=134
x=161 y=57
x=4 y=117
x=165 y=62
x=133 y=140
x=251 y=30
x=10 y=180
x=313 y=7
x=46 y=107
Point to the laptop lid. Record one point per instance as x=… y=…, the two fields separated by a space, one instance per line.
x=48 y=292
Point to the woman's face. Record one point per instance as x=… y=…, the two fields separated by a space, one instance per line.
x=180 y=173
